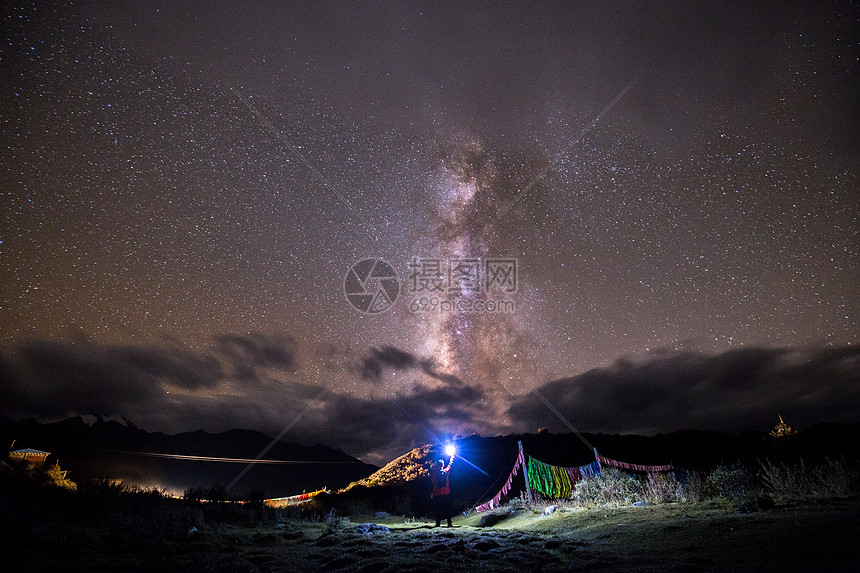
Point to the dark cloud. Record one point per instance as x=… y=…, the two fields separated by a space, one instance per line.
x=58 y=378
x=372 y=366
x=429 y=368
x=176 y=365
x=731 y=391
x=250 y=353
x=172 y=388
x=159 y=387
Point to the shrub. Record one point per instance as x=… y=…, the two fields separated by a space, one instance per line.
x=610 y=487
x=671 y=487
x=734 y=483
x=516 y=504
x=835 y=478
x=57 y=478
x=334 y=523
x=838 y=478
x=787 y=482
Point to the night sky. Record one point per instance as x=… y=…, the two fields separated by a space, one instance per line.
x=184 y=186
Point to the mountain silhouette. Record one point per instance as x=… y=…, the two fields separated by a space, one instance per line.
x=120 y=451
x=116 y=449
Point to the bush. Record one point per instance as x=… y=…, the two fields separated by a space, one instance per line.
x=838 y=478
x=516 y=504
x=333 y=523
x=673 y=487
x=731 y=483
x=56 y=477
x=610 y=487
x=835 y=478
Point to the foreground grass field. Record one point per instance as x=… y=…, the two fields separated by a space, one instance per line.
x=820 y=536
x=775 y=517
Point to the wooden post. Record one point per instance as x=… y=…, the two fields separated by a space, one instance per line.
x=526 y=474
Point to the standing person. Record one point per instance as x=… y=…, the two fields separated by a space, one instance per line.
x=442 y=490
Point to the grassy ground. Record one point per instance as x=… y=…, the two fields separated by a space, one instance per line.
x=819 y=536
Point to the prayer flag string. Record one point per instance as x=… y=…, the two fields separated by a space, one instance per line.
x=494 y=503
x=558 y=482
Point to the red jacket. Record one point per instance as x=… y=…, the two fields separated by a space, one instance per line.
x=440 y=481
